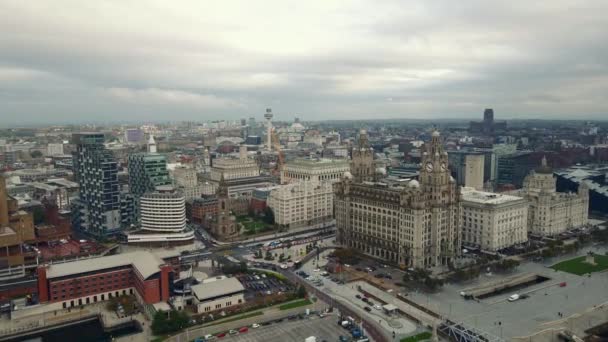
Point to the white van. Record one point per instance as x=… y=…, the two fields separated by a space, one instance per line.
x=513 y=298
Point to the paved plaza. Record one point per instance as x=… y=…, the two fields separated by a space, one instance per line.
x=500 y=317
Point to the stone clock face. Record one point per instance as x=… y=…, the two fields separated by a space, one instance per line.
x=429 y=167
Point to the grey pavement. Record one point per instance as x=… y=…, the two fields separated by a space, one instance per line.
x=322 y=328
x=523 y=317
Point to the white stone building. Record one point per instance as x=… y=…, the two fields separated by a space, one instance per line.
x=473 y=174
x=553 y=212
x=162 y=219
x=54 y=149
x=316 y=170
x=302 y=203
x=186 y=182
x=242 y=175
x=493 y=221
x=217 y=294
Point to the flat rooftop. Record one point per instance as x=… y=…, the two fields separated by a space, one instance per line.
x=472 y=195
x=146 y=263
x=217 y=288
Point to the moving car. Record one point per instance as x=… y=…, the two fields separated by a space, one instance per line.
x=513 y=298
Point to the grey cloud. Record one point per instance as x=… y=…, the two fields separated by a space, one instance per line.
x=145 y=61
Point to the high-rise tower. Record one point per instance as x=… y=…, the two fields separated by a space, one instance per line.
x=97 y=210
x=268 y=117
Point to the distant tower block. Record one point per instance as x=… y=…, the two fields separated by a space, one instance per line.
x=488 y=115
x=268 y=117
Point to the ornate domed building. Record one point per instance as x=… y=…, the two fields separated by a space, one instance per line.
x=552 y=212
x=415 y=225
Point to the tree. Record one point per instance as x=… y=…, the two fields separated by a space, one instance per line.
x=346 y=255
x=168 y=322
x=301 y=291
x=600 y=236
x=507 y=265
x=268 y=215
x=36 y=154
x=38 y=215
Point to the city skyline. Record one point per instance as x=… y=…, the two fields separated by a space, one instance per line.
x=146 y=62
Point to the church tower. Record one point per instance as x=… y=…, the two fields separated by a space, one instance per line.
x=362 y=164
x=225 y=224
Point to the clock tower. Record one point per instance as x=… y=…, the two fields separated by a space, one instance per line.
x=434 y=173
x=443 y=198
x=362 y=164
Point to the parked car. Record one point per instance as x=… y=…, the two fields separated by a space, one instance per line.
x=367 y=308
x=243 y=330
x=513 y=298
x=233 y=332
x=255 y=325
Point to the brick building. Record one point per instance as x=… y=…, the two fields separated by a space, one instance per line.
x=198 y=208
x=82 y=282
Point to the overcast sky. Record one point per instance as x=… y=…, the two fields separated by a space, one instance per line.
x=79 y=61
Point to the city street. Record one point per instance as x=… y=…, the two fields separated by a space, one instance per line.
x=347 y=293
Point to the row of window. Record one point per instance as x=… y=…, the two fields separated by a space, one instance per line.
x=88 y=300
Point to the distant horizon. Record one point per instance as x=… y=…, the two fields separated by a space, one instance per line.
x=261 y=119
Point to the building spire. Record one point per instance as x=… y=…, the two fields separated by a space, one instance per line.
x=222 y=187
x=151 y=144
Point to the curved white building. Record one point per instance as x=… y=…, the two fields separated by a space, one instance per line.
x=162 y=218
